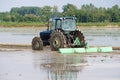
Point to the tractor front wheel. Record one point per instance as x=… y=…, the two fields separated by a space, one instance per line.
x=37 y=43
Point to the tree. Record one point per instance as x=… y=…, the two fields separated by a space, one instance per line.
x=31 y=18
x=55 y=12
x=46 y=13
x=87 y=13
x=6 y=17
x=69 y=10
x=27 y=10
x=115 y=13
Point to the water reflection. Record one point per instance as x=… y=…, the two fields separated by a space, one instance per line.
x=61 y=67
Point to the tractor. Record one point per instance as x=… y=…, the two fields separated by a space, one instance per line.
x=61 y=32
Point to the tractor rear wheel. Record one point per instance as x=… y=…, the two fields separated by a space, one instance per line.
x=37 y=43
x=57 y=40
x=81 y=38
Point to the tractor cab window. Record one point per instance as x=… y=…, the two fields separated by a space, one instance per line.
x=53 y=24
x=69 y=24
x=58 y=24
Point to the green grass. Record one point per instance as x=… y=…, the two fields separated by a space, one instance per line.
x=39 y=24
x=98 y=24
x=21 y=24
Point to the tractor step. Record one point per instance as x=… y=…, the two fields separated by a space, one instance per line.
x=85 y=50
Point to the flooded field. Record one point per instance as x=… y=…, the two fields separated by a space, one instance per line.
x=26 y=64
x=49 y=65
x=94 y=37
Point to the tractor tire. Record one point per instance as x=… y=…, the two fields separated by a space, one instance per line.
x=57 y=40
x=80 y=36
x=37 y=43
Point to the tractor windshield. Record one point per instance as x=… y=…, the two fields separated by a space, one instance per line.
x=69 y=24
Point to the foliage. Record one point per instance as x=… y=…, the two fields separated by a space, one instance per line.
x=88 y=13
x=69 y=10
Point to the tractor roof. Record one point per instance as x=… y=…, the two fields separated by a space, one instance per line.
x=62 y=18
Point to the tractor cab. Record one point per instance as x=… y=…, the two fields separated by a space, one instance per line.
x=65 y=24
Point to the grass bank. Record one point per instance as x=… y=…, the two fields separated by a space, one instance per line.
x=21 y=24
x=39 y=24
x=98 y=24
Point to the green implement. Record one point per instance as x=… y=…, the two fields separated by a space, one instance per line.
x=85 y=50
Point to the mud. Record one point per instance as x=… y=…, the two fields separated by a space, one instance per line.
x=22 y=63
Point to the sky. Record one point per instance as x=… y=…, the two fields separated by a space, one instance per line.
x=6 y=5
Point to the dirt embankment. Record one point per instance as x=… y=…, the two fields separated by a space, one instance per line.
x=20 y=46
x=23 y=46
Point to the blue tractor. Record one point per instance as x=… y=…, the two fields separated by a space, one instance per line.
x=62 y=32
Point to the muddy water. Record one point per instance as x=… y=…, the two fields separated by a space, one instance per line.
x=26 y=64
x=102 y=37
x=18 y=35
x=48 y=65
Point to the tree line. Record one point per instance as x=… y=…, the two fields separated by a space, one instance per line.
x=87 y=13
